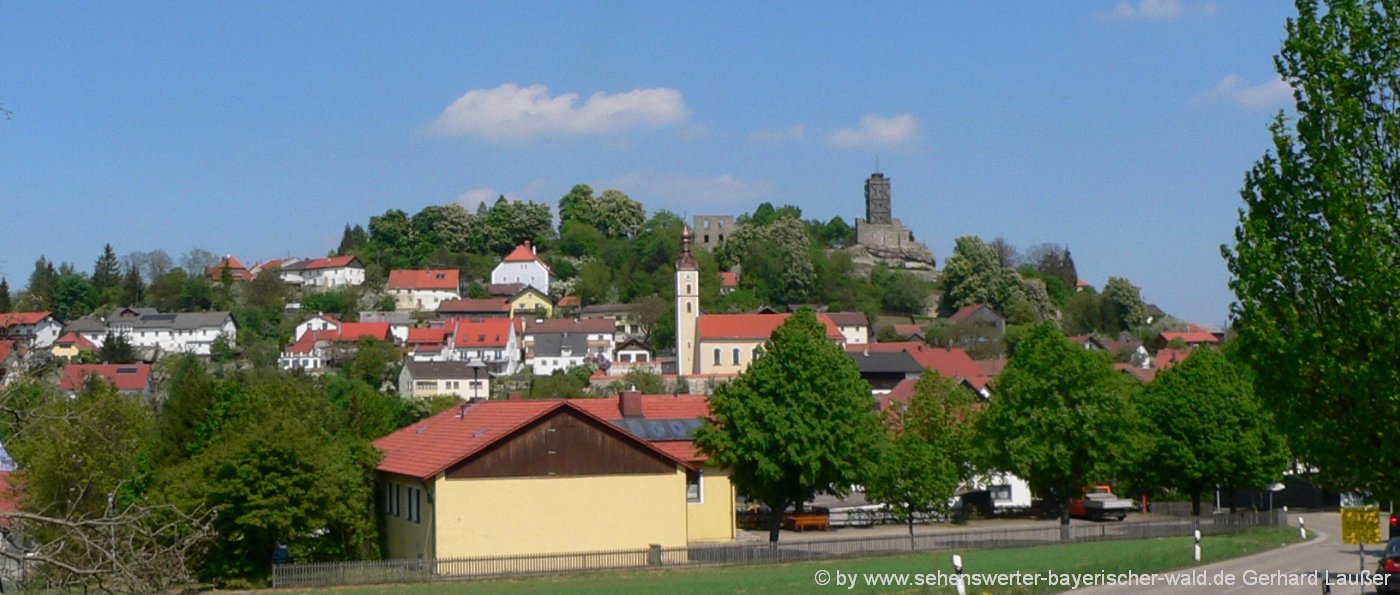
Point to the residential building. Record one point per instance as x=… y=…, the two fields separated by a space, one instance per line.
x=399 y=323
x=157 y=334
x=432 y=344
x=530 y=303
x=982 y=316
x=475 y=308
x=422 y=290
x=568 y=306
x=335 y=341
x=728 y=282
x=634 y=354
x=236 y=271
x=500 y=478
x=561 y=344
x=952 y=363
x=325 y=273
x=522 y=265
x=466 y=380
x=495 y=341
x=37 y=330
x=133 y=379
x=1193 y=336
x=9 y=358
x=728 y=343
x=884 y=369
x=70 y=346
x=629 y=324
x=854 y=326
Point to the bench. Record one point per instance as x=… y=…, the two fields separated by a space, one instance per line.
x=803 y=521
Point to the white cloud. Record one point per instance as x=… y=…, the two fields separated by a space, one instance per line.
x=877 y=131
x=681 y=191
x=1272 y=93
x=791 y=134
x=1153 y=10
x=512 y=112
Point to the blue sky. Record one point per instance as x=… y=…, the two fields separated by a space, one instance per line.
x=1122 y=129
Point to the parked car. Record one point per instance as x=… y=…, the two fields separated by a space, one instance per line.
x=1099 y=503
x=1389 y=567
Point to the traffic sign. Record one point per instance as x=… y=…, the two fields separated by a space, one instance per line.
x=1361 y=524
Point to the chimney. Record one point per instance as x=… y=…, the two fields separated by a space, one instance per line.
x=515 y=396
x=530 y=246
x=630 y=402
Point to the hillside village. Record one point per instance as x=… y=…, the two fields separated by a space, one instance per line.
x=466 y=346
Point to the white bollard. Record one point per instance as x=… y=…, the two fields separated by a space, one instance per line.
x=1198 y=545
x=958 y=570
x=1302 y=530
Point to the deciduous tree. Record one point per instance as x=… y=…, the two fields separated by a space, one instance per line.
x=798 y=421
x=1060 y=417
x=1316 y=258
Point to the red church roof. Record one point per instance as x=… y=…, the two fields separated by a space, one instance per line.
x=751 y=327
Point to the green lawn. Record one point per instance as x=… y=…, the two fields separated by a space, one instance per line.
x=1149 y=555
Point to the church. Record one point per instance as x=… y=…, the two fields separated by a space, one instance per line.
x=720 y=344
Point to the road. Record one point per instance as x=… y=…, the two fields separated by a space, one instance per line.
x=1303 y=568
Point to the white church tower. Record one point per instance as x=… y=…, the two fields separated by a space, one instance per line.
x=687 y=307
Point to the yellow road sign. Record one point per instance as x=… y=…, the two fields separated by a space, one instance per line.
x=1361 y=524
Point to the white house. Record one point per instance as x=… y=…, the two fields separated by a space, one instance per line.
x=422 y=290
x=466 y=380
x=854 y=326
x=322 y=339
x=494 y=341
x=35 y=329
x=161 y=333
x=634 y=354
x=399 y=323
x=523 y=266
x=325 y=273
x=1004 y=491
x=561 y=344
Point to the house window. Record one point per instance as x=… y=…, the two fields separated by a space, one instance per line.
x=755 y=353
x=415 y=505
x=398 y=500
x=424 y=385
x=694 y=486
x=388 y=498
x=716 y=356
x=736 y=356
x=1001 y=492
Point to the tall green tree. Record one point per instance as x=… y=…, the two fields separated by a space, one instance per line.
x=1316 y=259
x=107 y=271
x=6 y=304
x=73 y=296
x=929 y=453
x=43 y=284
x=1060 y=417
x=133 y=289
x=972 y=274
x=1206 y=428
x=798 y=421
x=1125 y=299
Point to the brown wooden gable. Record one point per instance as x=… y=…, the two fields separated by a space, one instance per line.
x=565 y=443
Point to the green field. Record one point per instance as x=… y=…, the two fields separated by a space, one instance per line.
x=1149 y=555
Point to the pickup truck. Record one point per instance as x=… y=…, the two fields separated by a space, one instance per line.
x=1099 y=503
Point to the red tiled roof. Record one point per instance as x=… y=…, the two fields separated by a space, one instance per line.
x=9 y=494
x=418 y=336
x=72 y=339
x=473 y=305
x=423 y=279
x=354 y=331
x=6 y=347
x=950 y=363
x=428 y=447
x=728 y=279
x=992 y=367
x=236 y=269
x=568 y=301
x=901 y=393
x=1142 y=374
x=482 y=332
x=126 y=377
x=568 y=325
x=752 y=326
x=908 y=330
x=1167 y=358
x=522 y=253
x=22 y=318
x=1195 y=336
x=1081 y=283
x=333 y=262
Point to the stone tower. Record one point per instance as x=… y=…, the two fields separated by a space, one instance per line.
x=687 y=307
x=877 y=199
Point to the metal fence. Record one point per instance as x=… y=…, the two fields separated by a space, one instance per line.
x=404 y=571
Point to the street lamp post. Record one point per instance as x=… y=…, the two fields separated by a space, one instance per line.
x=477 y=367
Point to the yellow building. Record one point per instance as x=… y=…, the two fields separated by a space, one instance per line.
x=70 y=346
x=550 y=476
x=530 y=303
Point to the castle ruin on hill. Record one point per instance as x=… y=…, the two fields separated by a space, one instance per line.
x=882 y=235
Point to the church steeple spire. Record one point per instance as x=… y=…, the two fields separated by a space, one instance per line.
x=686 y=261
